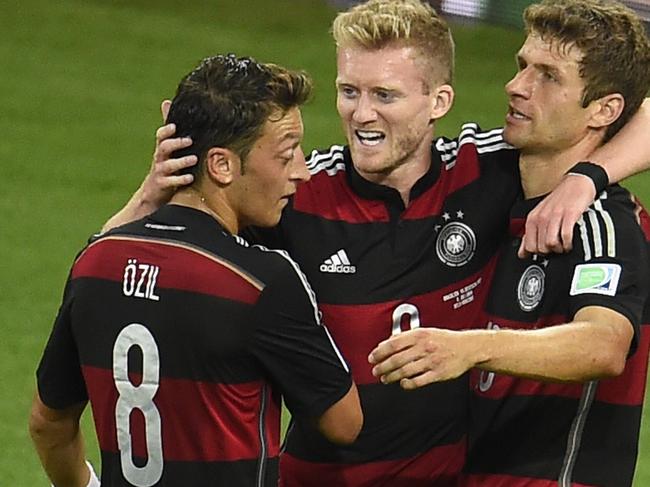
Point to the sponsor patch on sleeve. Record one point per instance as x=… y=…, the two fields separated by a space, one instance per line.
x=595 y=279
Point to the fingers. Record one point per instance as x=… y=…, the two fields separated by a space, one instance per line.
x=522 y=253
x=166 y=168
x=166 y=147
x=165 y=132
x=164 y=109
x=420 y=373
x=388 y=348
x=429 y=377
x=566 y=231
x=173 y=182
x=390 y=369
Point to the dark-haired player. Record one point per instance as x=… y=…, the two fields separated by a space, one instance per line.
x=181 y=335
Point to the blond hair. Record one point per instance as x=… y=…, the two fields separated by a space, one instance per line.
x=412 y=23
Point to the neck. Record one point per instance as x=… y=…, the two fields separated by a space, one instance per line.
x=542 y=172
x=214 y=205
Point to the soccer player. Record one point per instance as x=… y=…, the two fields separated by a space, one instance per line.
x=181 y=335
x=396 y=231
x=565 y=353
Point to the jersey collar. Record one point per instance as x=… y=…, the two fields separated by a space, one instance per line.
x=373 y=191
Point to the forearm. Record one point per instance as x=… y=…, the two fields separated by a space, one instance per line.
x=137 y=207
x=62 y=458
x=60 y=447
x=574 y=352
x=628 y=152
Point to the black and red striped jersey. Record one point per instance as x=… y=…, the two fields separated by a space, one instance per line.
x=184 y=338
x=378 y=268
x=542 y=434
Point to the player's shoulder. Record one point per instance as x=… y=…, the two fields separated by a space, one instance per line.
x=611 y=226
x=329 y=169
x=276 y=267
x=472 y=138
x=617 y=203
x=272 y=261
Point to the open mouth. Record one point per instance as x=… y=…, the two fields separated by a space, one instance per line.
x=369 y=138
x=516 y=115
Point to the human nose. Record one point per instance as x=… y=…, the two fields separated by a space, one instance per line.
x=520 y=84
x=364 y=110
x=299 y=171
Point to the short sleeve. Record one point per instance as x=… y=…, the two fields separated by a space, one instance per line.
x=609 y=265
x=295 y=347
x=59 y=378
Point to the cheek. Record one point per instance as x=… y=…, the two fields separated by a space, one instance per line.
x=343 y=107
x=415 y=125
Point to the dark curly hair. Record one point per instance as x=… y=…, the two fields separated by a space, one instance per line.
x=226 y=100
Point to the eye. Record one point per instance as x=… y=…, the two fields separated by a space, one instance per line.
x=548 y=76
x=385 y=96
x=287 y=156
x=347 y=91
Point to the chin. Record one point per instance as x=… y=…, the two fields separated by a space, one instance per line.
x=375 y=164
x=510 y=138
x=271 y=221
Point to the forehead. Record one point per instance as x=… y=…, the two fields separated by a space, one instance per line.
x=551 y=51
x=385 y=66
x=282 y=128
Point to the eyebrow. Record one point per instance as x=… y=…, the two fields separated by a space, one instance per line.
x=519 y=59
x=295 y=135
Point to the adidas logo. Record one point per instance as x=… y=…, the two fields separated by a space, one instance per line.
x=338 y=264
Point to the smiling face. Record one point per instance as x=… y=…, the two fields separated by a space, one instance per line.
x=387 y=104
x=271 y=171
x=545 y=112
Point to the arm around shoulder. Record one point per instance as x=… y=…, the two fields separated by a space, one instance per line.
x=549 y=227
x=628 y=152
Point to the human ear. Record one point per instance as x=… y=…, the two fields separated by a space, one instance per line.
x=606 y=110
x=222 y=165
x=443 y=98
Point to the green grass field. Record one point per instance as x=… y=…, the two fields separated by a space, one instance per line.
x=81 y=82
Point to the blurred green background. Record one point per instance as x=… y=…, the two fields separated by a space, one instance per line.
x=81 y=83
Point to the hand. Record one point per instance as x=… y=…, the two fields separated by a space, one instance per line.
x=419 y=357
x=161 y=182
x=549 y=227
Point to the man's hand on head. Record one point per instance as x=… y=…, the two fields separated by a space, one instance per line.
x=161 y=182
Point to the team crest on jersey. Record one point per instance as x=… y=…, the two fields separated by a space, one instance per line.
x=530 y=290
x=456 y=242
